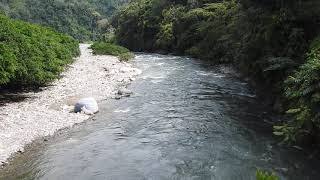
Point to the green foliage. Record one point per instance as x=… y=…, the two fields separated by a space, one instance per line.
x=165 y=38
x=31 y=55
x=279 y=64
x=263 y=175
x=138 y=24
x=108 y=37
x=172 y=26
x=130 y=26
x=126 y=56
x=103 y=48
x=78 y=18
x=107 y=7
x=303 y=91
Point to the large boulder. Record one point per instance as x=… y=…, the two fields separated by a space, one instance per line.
x=86 y=105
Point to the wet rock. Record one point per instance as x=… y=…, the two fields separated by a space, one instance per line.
x=124 y=92
x=132 y=79
x=117 y=97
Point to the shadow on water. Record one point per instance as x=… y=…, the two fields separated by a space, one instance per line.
x=184 y=121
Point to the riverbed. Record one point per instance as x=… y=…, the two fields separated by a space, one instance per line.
x=35 y=114
x=187 y=119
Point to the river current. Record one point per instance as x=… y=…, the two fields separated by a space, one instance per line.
x=187 y=119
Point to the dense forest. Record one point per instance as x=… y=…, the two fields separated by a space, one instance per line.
x=275 y=42
x=82 y=19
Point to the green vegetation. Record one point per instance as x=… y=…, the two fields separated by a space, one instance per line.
x=262 y=175
x=267 y=40
x=302 y=88
x=126 y=56
x=81 y=19
x=108 y=49
x=103 y=48
x=31 y=55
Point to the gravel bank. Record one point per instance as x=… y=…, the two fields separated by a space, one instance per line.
x=45 y=112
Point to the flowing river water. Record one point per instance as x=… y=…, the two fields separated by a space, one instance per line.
x=186 y=120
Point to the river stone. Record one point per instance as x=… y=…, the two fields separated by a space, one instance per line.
x=124 y=92
x=86 y=105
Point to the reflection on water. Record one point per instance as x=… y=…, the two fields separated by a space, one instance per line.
x=186 y=120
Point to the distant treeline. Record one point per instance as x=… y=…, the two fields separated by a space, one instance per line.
x=82 y=19
x=273 y=41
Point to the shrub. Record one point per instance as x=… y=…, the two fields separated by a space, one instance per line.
x=32 y=55
x=103 y=48
x=126 y=56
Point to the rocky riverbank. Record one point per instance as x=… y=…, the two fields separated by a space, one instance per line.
x=45 y=112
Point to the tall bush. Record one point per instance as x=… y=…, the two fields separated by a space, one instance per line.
x=32 y=55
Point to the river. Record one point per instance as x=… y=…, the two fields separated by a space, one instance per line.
x=187 y=119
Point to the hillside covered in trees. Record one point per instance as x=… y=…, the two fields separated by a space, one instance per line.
x=82 y=19
x=273 y=41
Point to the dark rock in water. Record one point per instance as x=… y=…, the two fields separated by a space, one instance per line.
x=117 y=97
x=124 y=92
